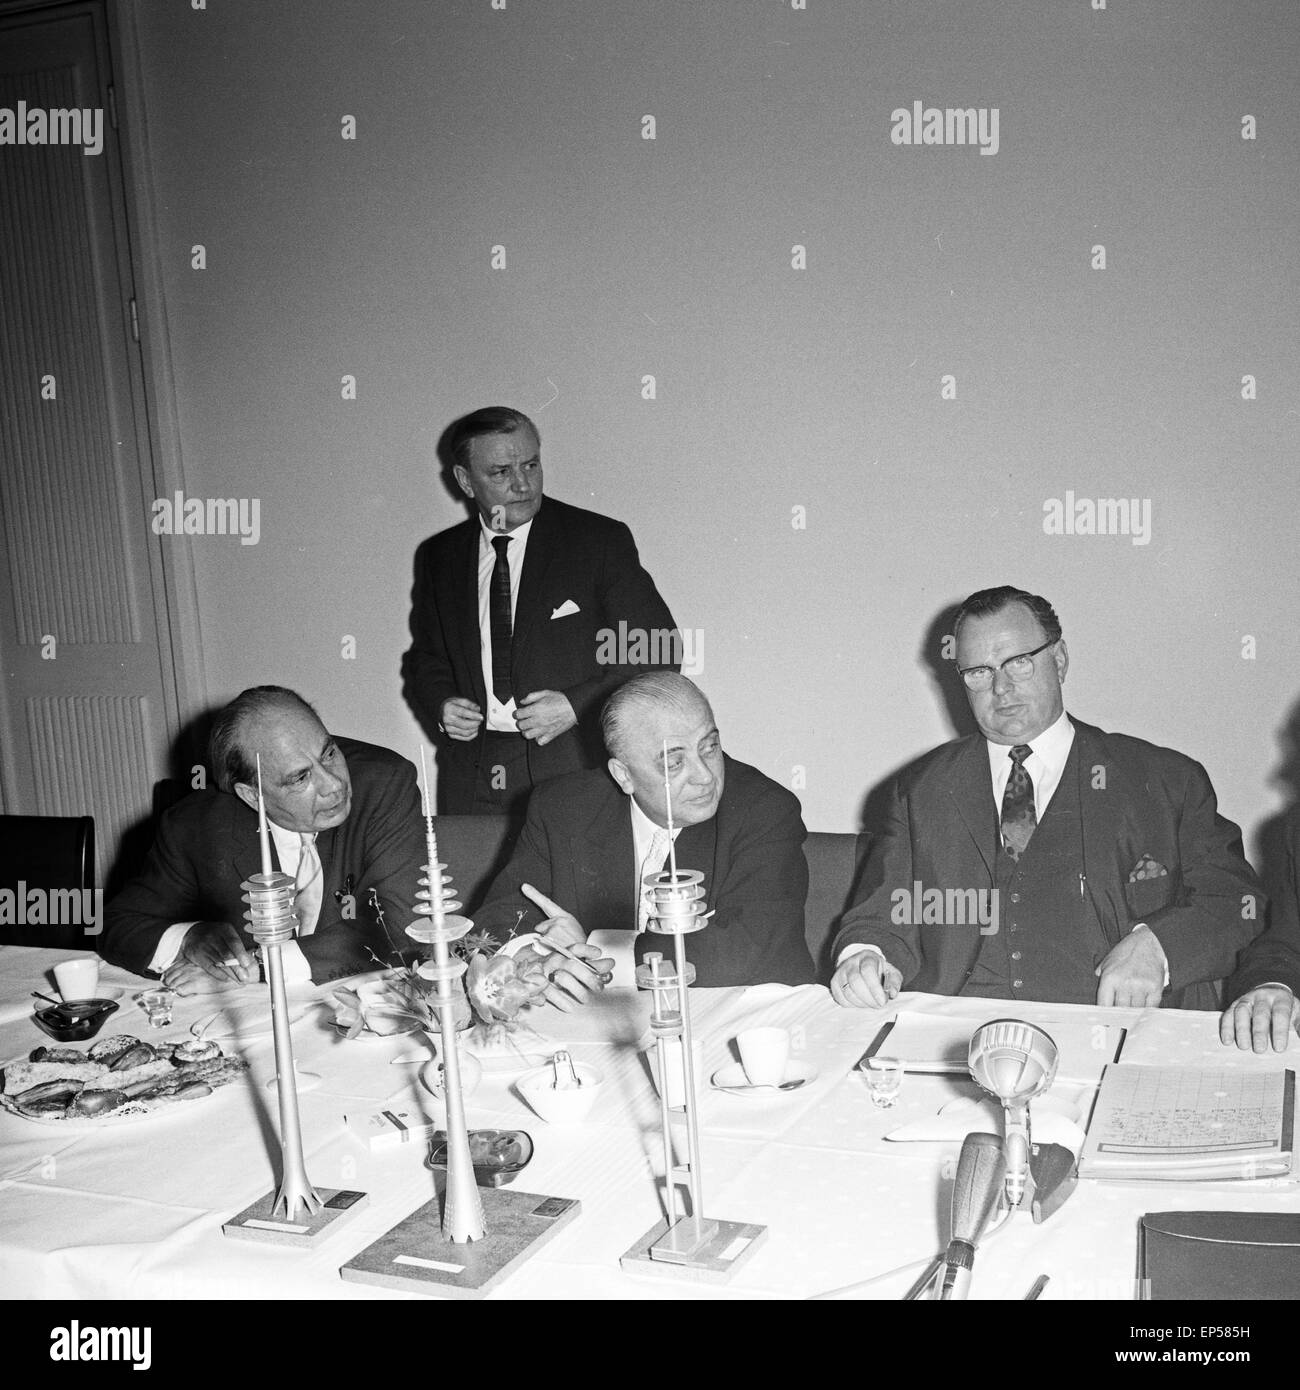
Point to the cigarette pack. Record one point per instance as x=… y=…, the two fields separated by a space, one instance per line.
x=389 y=1127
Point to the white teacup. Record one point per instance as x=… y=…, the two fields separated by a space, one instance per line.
x=764 y=1053
x=77 y=979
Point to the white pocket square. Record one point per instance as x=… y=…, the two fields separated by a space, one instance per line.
x=565 y=609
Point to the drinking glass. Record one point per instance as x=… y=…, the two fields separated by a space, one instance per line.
x=884 y=1077
x=157 y=1005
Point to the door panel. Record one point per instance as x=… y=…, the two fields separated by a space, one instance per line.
x=88 y=675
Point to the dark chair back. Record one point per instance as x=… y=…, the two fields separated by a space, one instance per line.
x=834 y=864
x=475 y=849
x=48 y=864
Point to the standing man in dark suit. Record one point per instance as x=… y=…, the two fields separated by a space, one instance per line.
x=1043 y=858
x=523 y=619
x=1264 y=988
x=575 y=875
x=345 y=822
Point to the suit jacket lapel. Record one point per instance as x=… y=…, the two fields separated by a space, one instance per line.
x=530 y=606
x=1107 y=796
x=330 y=847
x=697 y=848
x=605 y=893
x=245 y=852
x=971 y=792
x=464 y=603
x=245 y=858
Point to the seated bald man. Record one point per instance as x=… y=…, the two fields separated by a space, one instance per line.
x=1265 y=1010
x=1042 y=858
x=590 y=837
x=345 y=822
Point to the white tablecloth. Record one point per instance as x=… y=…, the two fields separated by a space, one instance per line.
x=135 y=1210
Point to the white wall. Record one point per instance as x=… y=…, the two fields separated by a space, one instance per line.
x=777 y=388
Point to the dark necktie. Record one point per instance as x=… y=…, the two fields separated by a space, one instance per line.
x=500 y=619
x=1018 y=818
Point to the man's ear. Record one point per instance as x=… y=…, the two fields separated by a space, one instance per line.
x=247 y=794
x=621 y=775
x=1062 y=658
x=462 y=477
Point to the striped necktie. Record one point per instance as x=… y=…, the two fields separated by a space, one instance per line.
x=652 y=864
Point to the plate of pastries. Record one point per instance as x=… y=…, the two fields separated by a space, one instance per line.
x=116 y=1080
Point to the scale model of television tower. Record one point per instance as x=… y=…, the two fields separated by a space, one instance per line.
x=694 y=1245
x=476 y=1236
x=295 y=1213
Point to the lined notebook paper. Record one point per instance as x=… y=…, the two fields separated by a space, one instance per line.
x=1190 y=1123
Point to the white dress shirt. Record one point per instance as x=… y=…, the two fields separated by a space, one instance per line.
x=500 y=718
x=620 y=945
x=1045 y=764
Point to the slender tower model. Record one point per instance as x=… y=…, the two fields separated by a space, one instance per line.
x=462 y=1212
x=455 y=1250
x=272 y=921
x=296 y=1213
x=693 y=1244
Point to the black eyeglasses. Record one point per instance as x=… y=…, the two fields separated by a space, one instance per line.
x=1019 y=667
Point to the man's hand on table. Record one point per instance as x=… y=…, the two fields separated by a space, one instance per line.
x=866 y=980
x=212 y=957
x=573 y=982
x=1262 y=1017
x=1132 y=976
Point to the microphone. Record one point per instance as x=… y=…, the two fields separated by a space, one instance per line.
x=1013 y=1061
x=975 y=1193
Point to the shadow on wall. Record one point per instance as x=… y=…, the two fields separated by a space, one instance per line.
x=188 y=751
x=1271 y=837
x=948 y=692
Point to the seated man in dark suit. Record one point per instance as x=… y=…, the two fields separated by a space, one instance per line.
x=1043 y=858
x=344 y=819
x=590 y=837
x=1264 y=987
x=523 y=619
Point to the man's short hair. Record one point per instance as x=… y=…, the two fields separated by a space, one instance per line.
x=492 y=419
x=630 y=703
x=988 y=601
x=227 y=757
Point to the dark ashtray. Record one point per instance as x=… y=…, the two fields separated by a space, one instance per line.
x=74 y=1022
x=497 y=1154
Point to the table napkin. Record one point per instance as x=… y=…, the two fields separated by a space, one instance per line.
x=1054 y=1119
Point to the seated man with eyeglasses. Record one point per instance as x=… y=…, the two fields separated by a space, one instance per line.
x=1042 y=858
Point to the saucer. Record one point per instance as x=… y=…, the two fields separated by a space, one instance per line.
x=101 y=992
x=732 y=1079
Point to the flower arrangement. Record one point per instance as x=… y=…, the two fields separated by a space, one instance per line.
x=500 y=987
x=497 y=988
